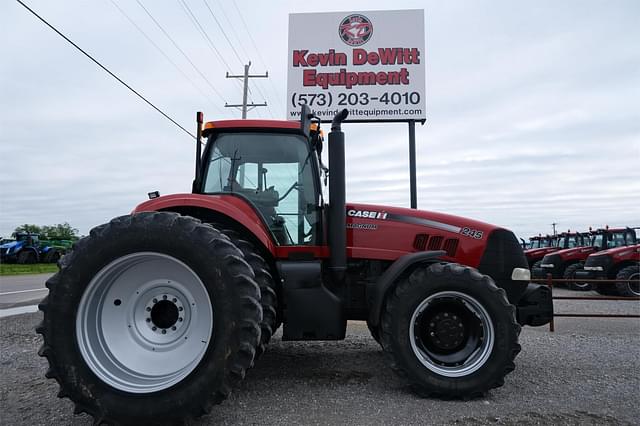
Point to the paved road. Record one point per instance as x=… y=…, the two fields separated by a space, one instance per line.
x=586 y=373
x=22 y=290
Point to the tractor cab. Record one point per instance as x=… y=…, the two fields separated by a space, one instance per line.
x=539 y=241
x=607 y=238
x=28 y=238
x=275 y=169
x=567 y=240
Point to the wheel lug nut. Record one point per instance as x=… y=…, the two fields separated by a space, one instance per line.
x=173 y=328
x=164 y=331
x=180 y=308
x=155 y=300
x=180 y=319
x=148 y=309
x=174 y=300
x=164 y=297
x=154 y=328
x=432 y=334
x=148 y=319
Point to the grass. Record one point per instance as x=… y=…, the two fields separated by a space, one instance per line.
x=38 y=268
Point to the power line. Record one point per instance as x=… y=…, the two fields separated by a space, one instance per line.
x=181 y=51
x=166 y=56
x=203 y=33
x=223 y=32
x=233 y=30
x=105 y=68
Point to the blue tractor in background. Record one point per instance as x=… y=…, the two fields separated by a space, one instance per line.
x=27 y=249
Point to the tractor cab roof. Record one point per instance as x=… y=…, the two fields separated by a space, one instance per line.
x=211 y=126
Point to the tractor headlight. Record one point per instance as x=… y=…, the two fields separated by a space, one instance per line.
x=521 y=274
x=593 y=268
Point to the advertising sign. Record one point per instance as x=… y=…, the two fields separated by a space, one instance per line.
x=372 y=63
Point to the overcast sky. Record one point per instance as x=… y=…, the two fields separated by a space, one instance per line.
x=533 y=108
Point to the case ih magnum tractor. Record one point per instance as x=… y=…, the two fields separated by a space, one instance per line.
x=560 y=263
x=540 y=246
x=155 y=315
x=621 y=262
x=565 y=263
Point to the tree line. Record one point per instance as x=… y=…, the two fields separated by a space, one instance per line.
x=60 y=231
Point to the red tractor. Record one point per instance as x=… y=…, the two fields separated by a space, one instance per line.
x=540 y=245
x=565 y=263
x=578 y=247
x=621 y=262
x=156 y=314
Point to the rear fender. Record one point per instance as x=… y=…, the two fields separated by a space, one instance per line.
x=377 y=293
x=227 y=209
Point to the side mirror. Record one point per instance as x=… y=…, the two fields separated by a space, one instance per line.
x=305 y=120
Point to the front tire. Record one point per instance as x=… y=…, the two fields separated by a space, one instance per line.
x=450 y=331
x=570 y=274
x=112 y=330
x=629 y=289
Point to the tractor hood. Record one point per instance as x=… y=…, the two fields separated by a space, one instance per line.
x=375 y=231
x=539 y=252
x=574 y=252
x=625 y=251
x=11 y=244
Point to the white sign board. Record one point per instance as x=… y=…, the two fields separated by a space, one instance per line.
x=372 y=63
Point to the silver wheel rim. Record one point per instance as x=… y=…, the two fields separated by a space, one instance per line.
x=144 y=322
x=634 y=287
x=478 y=355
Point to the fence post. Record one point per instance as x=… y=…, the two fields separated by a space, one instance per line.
x=552 y=326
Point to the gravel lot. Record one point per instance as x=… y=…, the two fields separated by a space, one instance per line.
x=587 y=372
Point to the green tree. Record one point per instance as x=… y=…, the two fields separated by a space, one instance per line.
x=28 y=228
x=60 y=231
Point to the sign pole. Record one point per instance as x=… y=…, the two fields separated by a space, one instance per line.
x=412 y=164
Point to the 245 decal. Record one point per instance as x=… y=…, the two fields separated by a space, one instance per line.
x=473 y=233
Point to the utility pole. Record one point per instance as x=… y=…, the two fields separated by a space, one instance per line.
x=246 y=76
x=554 y=227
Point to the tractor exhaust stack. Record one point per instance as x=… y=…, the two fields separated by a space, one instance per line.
x=337 y=204
x=196 y=180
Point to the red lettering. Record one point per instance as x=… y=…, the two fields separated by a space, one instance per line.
x=359 y=56
x=298 y=58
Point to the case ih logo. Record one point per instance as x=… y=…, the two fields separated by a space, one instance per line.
x=355 y=30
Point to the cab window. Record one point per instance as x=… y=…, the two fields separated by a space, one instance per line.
x=275 y=172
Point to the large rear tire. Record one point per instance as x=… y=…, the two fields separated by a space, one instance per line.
x=626 y=288
x=268 y=292
x=450 y=331
x=27 y=257
x=152 y=318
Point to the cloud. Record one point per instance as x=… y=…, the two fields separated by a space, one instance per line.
x=533 y=111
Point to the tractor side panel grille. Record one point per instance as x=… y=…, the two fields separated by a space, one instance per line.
x=450 y=246
x=435 y=243
x=420 y=242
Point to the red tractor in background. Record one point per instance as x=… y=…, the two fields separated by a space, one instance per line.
x=565 y=263
x=620 y=261
x=157 y=314
x=541 y=245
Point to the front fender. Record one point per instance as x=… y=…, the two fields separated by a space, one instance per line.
x=377 y=293
x=233 y=207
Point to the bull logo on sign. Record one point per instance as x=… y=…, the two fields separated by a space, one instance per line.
x=355 y=30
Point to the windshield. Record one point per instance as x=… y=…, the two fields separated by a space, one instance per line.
x=276 y=174
x=573 y=241
x=547 y=243
x=617 y=239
